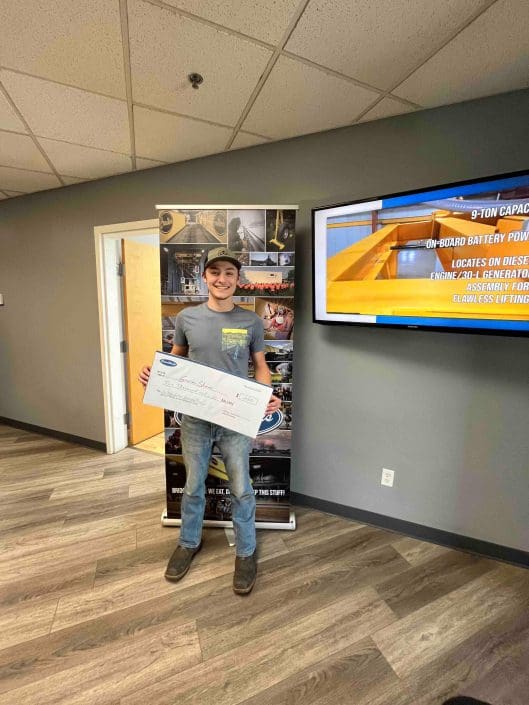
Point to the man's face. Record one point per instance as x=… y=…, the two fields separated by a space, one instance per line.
x=221 y=279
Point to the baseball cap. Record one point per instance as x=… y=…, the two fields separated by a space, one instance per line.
x=221 y=253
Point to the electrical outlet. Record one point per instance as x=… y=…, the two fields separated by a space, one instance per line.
x=387 y=477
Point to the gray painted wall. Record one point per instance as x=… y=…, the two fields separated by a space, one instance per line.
x=447 y=412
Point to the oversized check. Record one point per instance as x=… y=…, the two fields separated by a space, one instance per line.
x=180 y=384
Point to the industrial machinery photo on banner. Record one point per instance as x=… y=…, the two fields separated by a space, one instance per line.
x=262 y=237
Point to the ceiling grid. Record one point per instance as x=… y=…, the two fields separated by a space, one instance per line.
x=124 y=17
x=436 y=50
x=29 y=132
x=273 y=60
x=99 y=87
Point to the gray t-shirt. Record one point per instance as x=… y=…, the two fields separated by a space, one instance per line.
x=222 y=340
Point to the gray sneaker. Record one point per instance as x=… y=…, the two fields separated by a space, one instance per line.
x=245 y=574
x=180 y=562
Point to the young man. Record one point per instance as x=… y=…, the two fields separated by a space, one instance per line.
x=223 y=335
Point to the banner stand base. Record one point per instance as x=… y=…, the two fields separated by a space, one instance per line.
x=289 y=525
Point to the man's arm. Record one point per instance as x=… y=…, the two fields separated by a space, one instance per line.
x=262 y=374
x=181 y=350
x=145 y=371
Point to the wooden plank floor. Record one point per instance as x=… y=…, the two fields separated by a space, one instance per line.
x=341 y=612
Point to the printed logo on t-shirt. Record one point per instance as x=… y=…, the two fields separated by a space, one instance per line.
x=235 y=341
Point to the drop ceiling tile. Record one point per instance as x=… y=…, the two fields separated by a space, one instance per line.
x=8 y=119
x=27 y=181
x=20 y=151
x=142 y=163
x=377 y=41
x=244 y=139
x=386 y=108
x=71 y=42
x=85 y=162
x=262 y=19
x=490 y=56
x=166 y=47
x=298 y=99
x=173 y=139
x=69 y=114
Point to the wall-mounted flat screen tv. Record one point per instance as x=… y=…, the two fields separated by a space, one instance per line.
x=453 y=257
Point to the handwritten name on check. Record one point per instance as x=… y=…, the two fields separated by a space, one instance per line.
x=179 y=384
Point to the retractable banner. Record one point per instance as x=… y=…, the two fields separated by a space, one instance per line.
x=263 y=238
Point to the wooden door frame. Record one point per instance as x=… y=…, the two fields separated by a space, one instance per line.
x=110 y=305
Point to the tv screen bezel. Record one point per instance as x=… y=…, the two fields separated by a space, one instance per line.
x=402 y=326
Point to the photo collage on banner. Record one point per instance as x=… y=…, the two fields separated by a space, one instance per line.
x=263 y=240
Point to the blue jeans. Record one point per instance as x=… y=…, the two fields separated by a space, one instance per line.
x=198 y=438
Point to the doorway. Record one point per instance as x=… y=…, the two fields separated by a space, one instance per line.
x=128 y=283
